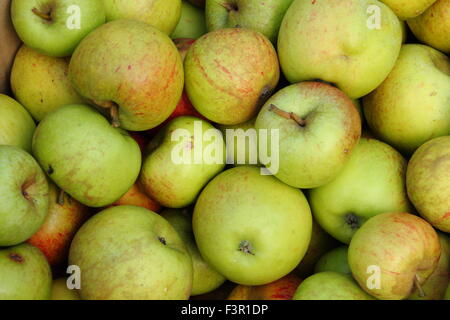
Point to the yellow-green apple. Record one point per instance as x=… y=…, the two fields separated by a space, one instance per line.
x=139 y=74
x=428 y=182
x=161 y=14
x=330 y=285
x=40 y=83
x=251 y=228
x=25 y=274
x=60 y=291
x=334 y=260
x=16 y=124
x=371 y=182
x=205 y=278
x=230 y=73
x=54 y=27
x=412 y=105
x=181 y=160
x=264 y=16
x=405 y=9
x=137 y=197
x=24 y=194
x=192 y=22
x=447 y=293
x=433 y=26
x=85 y=156
x=392 y=254
x=314 y=43
x=131 y=253
x=318 y=128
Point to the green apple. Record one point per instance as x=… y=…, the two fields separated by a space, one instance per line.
x=205 y=278
x=24 y=194
x=330 y=285
x=428 y=182
x=192 y=24
x=230 y=73
x=334 y=260
x=186 y=155
x=60 y=291
x=371 y=182
x=392 y=254
x=263 y=16
x=251 y=228
x=55 y=28
x=16 y=125
x=364 y=47
x=406 y=9
x=161 y=14
x=131 y=253
x=25 y=274
x=138 y=74
x=318 y=128
x=447 y=293
x=85 y=156
x=433 y=26
x=54 y=90
x=411 y=106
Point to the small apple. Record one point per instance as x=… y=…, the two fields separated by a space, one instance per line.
x=408 y=9
x=60 y=291
x=192 y=22
x=334 y=260
x=137 y=197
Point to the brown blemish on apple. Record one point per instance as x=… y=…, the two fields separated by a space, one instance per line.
x=16 y=257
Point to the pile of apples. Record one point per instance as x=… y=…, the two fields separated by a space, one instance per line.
x=356 y=207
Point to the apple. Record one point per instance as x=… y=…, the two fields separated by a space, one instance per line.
x=408 y=9
x=192 y=22
x=16 y=125
x=137 y=197
x=371 y=182
x=85 y=156
x=315 y=43
x=55 y=28
x=25 y=274
x=330 y=285
x=428 y=182
x=432 y=27
x=318 y=128
x=140 y=80
x=230 y=73
x=61 y=292
x=262 y=16
x=161 y=14
x=24 y=193
x=411 y=106
x=31 y=68
x=392 y=254
x=251 y=228
x=334 y=260
x=131 y=253
x=447 y=293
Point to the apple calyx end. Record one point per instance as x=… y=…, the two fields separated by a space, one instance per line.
x=162 y=240
x=288 y=115
x=352 y=221
x=246 y=247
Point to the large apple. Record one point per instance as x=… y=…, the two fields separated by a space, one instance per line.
x=351 y=43
x=23 y=194
x=406 y=9
x=192 y=22
x=56 y=27
x=138 y=74
x=85 y=156
x=40 y=82
x=251 y=228
x=230 y=73
x=392 y=254
x=131 y=253
x=318 y=128
x=412 y=105
x=428 y=182
x=334 y=260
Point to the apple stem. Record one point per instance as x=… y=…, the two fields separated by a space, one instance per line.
x=418 y=286
x=61 y=197
x=42 y=15
x=288 y=115
x=113 y=111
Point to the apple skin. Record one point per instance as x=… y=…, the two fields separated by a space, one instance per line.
x=61 y=292
x=264 y=16
x=371 y=182
x=338 y=52
x=143 y=254
x=137 y=197
x=230 y=73
x=128 y=52
x=334 y=260
x=428 y=182
x=330 y=285
x=432 y=27
x=53 y=37
x=282 y=289
x=54 y=90
x=313 y=154
x=248 y=237
x=447 y=293
x=16 y=124
x=411 y=106
x=192 y=22
x=405 y=9
x=24 y=191
x=85 y=156
x=25 y=273
x=403 y=246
